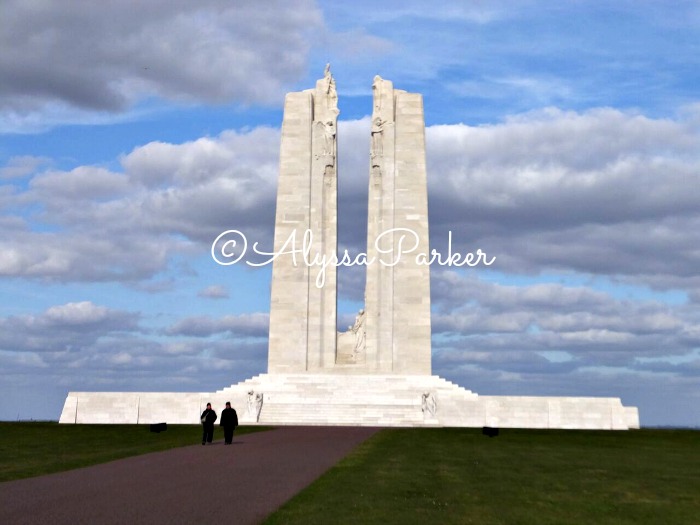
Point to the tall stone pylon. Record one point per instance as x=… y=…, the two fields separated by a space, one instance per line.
x=397 y=290
x=302 y=314
x=392 y=333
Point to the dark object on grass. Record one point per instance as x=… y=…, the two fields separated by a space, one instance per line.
x=159 y=427
x=489 y=431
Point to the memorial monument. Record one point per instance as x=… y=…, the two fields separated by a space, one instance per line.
x=378 y=372
x=303 y=336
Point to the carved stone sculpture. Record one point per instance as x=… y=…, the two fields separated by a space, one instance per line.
x=377 y=148
x=329 y=138
x=258 y=405
x=359 y=330
x=254 y=405
x=429 y=405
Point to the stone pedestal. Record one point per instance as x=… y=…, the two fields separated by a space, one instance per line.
x=385 y=400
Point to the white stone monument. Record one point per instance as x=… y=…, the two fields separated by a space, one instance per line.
x=378 y=372
x=392 y=333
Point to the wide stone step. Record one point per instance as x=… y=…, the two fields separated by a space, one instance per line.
x=348 y=414
x=357 y=385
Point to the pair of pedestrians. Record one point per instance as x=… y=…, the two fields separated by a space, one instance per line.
x=229 y=420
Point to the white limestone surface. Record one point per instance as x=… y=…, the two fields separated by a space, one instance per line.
x=387 y=400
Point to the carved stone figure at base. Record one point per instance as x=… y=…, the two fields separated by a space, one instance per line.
x=428 y=405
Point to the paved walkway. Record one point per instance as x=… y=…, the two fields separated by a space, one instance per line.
x=242 y=483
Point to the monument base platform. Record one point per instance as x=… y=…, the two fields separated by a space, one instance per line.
x=352 y=400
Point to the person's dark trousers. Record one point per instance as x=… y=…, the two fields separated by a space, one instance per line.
x=228 y=434
x=207 y=433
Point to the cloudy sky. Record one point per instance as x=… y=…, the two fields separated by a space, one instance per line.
x=563 y=138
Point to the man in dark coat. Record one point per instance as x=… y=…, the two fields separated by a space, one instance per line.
x=229 y=420
x=208 y=418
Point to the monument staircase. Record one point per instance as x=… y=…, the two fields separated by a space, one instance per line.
x=348 y=399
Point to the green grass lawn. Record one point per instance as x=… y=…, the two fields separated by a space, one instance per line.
x=32 y=449
x=446 y=476
x=433 y=475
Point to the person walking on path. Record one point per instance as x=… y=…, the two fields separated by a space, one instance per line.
x=208 y=418
x=229 y=420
